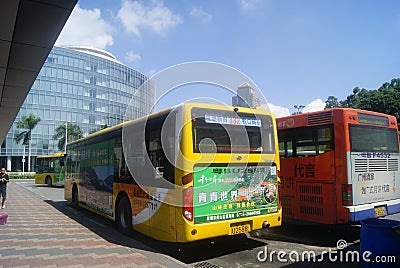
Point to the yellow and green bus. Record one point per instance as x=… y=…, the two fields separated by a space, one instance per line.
x=50 y=169
x=187 y=173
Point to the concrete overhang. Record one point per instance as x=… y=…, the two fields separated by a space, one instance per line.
x=28 y=31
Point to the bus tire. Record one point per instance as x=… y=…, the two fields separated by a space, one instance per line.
x=75 y=196
x=47 y=181
x=124 y=216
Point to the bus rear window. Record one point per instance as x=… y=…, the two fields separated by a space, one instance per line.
x=373 y=139
x=230 y=132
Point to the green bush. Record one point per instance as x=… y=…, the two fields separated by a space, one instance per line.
x=19 y=175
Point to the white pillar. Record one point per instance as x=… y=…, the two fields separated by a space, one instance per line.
x=9 y=163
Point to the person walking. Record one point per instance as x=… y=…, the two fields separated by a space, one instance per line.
x=3 y=186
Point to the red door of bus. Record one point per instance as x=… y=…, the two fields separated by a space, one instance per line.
x=308 y=193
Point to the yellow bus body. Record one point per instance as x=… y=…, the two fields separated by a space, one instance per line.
x=167 y=222
x=40 y=178
x=56 y=176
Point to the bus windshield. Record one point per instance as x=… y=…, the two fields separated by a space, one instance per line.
x=44 y=165
x=231 y=132
x=373 y=139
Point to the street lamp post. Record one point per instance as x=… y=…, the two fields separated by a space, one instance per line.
x=299 y=108
x=23 y=161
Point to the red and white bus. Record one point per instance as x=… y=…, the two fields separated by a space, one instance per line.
x=339 y=165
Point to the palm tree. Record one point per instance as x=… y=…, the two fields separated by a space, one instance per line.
x=74 y=132
x=27 y=122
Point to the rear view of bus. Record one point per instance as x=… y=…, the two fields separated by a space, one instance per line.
x=230 y=183
x=339 y=165
x=374 y=176
x=187 y=173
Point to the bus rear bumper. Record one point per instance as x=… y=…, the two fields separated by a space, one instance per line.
x=367 y=211
x=222 y=228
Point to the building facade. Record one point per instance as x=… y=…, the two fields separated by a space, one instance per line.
x=84 y=86
x=245 y=97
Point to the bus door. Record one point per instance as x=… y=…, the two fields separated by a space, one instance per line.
x=314 y=178
x=59 y=171
x=160 y=147
x=314 y=172
x=308 y=174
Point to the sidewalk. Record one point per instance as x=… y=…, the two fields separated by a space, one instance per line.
x=38 y=234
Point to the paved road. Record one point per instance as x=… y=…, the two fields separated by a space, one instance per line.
x=95 y=238
x=41 y=232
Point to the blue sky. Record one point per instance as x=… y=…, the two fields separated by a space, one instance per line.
x=297 y=52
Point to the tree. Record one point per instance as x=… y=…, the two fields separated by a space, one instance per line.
x=27 y=122
x=332 y=102
x=385 y=99
x=74 y=132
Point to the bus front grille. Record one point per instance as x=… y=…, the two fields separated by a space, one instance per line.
x=373 y=165
x=393 y=165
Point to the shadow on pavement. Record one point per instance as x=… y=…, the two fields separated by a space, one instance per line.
x=188 y=253
x=320 y=235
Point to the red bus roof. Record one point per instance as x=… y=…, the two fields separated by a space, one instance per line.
x=345 y=115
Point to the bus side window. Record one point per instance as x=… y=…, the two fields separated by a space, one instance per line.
x=282 y=151
x=310 y=141
x=61 y=161
x=161 y=155
x=285 y=149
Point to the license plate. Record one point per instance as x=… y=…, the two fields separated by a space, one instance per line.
x=239 y=229
x=380 y=211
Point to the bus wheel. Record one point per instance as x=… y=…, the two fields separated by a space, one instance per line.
x=75 y=197
x=48 y=181
x=124 y=216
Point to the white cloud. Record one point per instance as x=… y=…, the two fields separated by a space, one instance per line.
x=278 y=111
x=132 y=57
x=86 y=27
x=135 y=17
x=247 y=4
x=315 y=105
x=201 y=14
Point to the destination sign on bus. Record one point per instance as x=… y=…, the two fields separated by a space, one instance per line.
x=241 y=121
x=373 y=119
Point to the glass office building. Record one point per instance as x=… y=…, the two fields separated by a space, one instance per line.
x=84 y=86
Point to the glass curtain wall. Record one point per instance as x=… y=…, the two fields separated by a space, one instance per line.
x=83 y=86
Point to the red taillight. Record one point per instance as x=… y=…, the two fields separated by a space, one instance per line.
x=187 y=178
x=347 y=195
x=188 y=203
